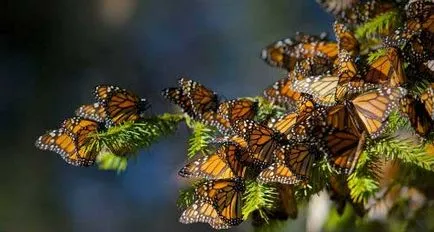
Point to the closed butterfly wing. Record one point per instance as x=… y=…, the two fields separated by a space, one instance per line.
x=282 y=94
x=387 y=70
x=120 y=105
x=336 y=7
x=427 y=98
x=276 y=54
x=203 y=212
x=176 y=96
x=419 y=118
x=95 y=112
x=324 y=89
x=238 y=109
x=346 y=39
x=222 y=164
x=261 y=141
x=225 y=195
x=299 y=158
x=344 y=149
x=201 y=98
x=311 y=66
x=66 y=145
x=373 y=108
x=279 y=171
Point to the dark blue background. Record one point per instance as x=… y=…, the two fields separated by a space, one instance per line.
x=53 y=53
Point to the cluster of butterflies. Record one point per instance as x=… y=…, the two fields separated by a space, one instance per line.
x=334 y=100
x=114 y=106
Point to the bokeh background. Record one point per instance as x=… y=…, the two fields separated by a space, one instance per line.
x=53 y=53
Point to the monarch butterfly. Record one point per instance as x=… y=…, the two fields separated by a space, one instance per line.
x=387 y=69
x=222 y=164
x=228 y=112
x=336 y=7
x=419 y=48
x=282 y=94
x=427 y=98
x=324 y=89
x=285 y=53
x=364 y=11
x=71 y=141
x=299 y=126
x=310 y=66
x=420 y=119
x=373 y=108
x=238 y=109
x=292 y=164
x=217 y=202
x=261 y=141
x=175 y=95
x=276 y=54
x=345 y=38
x=201 y=98
x=120 y=105
x=94 y=112
x=344 y=148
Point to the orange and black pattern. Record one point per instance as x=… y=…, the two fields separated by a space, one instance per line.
x=73 y=140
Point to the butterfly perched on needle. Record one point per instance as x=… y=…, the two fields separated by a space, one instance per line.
x=346 y=140
x=416 y=112
x=120 y=105
x=292 y=165
x=72 y=141
x=217 y=202
x=224 y=163
x=261 y=141
x=281 y=93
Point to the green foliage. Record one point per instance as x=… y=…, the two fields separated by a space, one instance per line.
x=320 y=175
x=185 y=198
x=363 y=182
x=115 y=145
x=199 y=139
x=111 y=162
x=407 y=150
x=259 y=197
x=395 y=122
x=373 y=56
x=380 y=25
x=266 y=109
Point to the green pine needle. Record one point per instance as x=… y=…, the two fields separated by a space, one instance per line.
x=396 y=122
x=110 y=162
x=408 y=151
x=199 y=139
x=185 y=198
x=363 y=182
x=115 y=145
x=373 y=56
x=266 y=109
x=380 y=25
x=259 y=197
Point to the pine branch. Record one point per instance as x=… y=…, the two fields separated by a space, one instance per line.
x=199 y=139
x=116 y=144
x=373 y=56
x=110 y=162
x=381 y=25
x=320 y=176
x=363 y=182
x=397 y=122
x=266 y=109
x=404 y=149
x=259 y=197
x=185 y=198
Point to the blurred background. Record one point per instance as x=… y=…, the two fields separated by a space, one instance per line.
x=53 y=53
